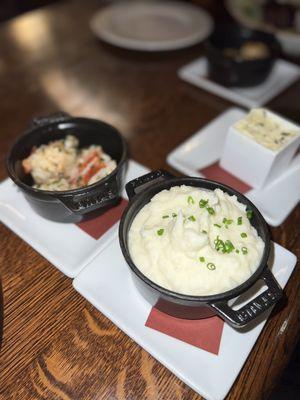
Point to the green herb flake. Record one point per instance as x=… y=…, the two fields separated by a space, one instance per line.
x=244 y=250
x=160 y=232
x=217 y=225
x=229 y=247
x=210 y=210
x=211 y=266
x=174 y=215
x=203 y=231
x=243 y=235
x=239 y=220
x=165 y=216
x=203 y=203
x=237 y=251
x=202 y=259
x=190 y=200
x=249 y=214
x=192 y=218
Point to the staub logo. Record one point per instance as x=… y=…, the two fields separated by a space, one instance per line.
x=261 y=303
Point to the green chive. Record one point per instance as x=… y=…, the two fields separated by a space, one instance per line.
x=237 y=251
x=210 y=210
x=174 y=215
x=211 y=266
x=203 y=231
x=160 y=232
x=217 y=225
x=249 y=214
x=190 y=200
x=243 y=235
x=203 y=203
x=202 y=259
x=239 y=220
x=192 y=218
x=165 y=216
x=244 y=250
x=229 y=246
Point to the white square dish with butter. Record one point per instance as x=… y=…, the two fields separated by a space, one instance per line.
x=259 y=147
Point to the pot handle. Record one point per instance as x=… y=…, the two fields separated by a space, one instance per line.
x=142 y=182
x=255 y=307
x=82 y=204
x=49 y=119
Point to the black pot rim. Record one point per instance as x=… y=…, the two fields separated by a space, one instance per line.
x=71 y=192
x=192 y=298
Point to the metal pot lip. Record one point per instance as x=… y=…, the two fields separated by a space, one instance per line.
x=72 y=192
x=192 y=298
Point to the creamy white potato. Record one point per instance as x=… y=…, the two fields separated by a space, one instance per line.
x=195 y=241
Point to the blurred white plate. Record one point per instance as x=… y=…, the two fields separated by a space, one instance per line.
x=66 y=246
x=275 y=201
x=151 y=25
x=107 y=279
x=283 y=75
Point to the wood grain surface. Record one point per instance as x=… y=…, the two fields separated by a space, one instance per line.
x=55 y=344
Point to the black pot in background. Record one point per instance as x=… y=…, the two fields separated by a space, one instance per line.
x=140 y=191
x=77 y=204
x=242 y=73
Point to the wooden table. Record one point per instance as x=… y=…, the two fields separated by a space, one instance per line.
x=56 y=345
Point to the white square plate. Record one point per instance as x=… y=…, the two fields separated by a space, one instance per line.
x=107 y=276
x=283 y=75
x=275 y=201
x=64 y=245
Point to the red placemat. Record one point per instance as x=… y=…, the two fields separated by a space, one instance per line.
x=216 y=173
x=96 y=227
x=204 y=333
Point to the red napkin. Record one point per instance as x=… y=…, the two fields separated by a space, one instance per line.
x=204 y=333
x=216 y=173
x=96 y=227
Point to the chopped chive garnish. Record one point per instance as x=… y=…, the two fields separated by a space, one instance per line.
x=249 y=214
x=203 y=203
x=165 y=216
x=239 y=220
x=190 y=200
x=227 y=222
x=160 y=232
x=217 y=225
x=210 y=210
x=192 y=218
x=202 y=259
x=211 y=266
x=243 y=235
x=229 y=246
x=203 y=231
x=224 y=247
x=174 y=215
x=244 y=250
x=237 y=251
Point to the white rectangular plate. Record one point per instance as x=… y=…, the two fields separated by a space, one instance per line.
x=101 y=283
x=204 y=148
x=66 y=246
x=283 y=75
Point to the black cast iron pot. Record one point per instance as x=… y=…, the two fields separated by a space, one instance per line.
x=140 y=191
x=229 y=71
x=77 y=204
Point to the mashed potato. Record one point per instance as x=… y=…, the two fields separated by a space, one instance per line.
x=195 y=241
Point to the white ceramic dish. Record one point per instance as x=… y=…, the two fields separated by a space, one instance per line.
x=107 y=276
x=66 y=246
x=204 y=148
x=283 y=75
x=258 y=165
x=151 y=26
